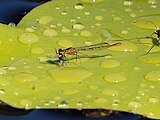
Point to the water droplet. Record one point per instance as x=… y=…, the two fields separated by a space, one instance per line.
x=116 y=102
x=138 y=97
x=115 y=78
x=153 y=6
x=100 y=100
x=12 y=68
x=59 y=24
x=86 y=13
x=25 y=103
x=34 y=27
x=150 y=58
x=52 y=26
x=46 y=104
x=125 y=46
x=99 y=18
x=52 y=102
x=45 y=20
x=78 y=26
x=50 y=32
x=37 y=50
x=62 y=104
x=133 y=15
x=137 y=68
x=79 y=6
x=65 y=30
x=57 y=7
x=88 y=43
x=57 y=98
x=128 y=3
x=70 y=91
x=30 y=30
x=142 y=21
x=153 y=100
x=152 y=2
x=152 y=87
x=79 y=103
x=73 y=20
x=153 y=76
x=65 y=43
x=92 y=1
x=85 y=33
x=64 y=13
x=28 y=38
x=142 y=85
x=69 y=74
x=98 y=24
x=110 y=63
x=141 y=92
x=3 y=82
x=2 y=71
x=24 y=77
x=134 y=104
x=116 y=18
x=12 y=24
x=12 y=58
x=124 y=32
x=2 y=92
x=110 y=92
x=128 y=9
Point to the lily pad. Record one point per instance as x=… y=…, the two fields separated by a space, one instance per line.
x=119 y=78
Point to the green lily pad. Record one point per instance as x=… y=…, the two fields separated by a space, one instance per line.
x=120 y=77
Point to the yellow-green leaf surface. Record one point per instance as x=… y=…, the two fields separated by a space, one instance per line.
x=119 y=78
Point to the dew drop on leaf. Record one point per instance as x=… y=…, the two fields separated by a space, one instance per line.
x=25 y=103
x=115 y=78
x=134 y=104
x=110 y=92
x=65 y=43
x=153 y=100
x=110 y=63
x=28 y=38
x=45 y=19
x=79 y=6
x=153 y=76
x=24 y=77
x=78 y=26
x=69 y=74
x=37 y=50
x=85 y=33
x=50 y=32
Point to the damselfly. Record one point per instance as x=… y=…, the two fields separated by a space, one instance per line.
x=61 y=53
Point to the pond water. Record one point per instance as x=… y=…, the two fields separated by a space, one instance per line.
x=12 y=11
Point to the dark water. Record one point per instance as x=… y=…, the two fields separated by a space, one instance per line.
x=12 y=11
